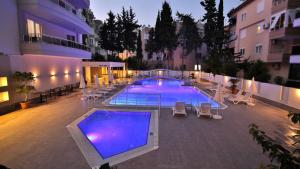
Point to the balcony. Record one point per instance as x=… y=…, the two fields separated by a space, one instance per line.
x=278 y=53
x=280 y=5
x=289 y=33
x=80 y=3
x=53 y=46
x=58 y=12
x=295 y=57
x=297 y=20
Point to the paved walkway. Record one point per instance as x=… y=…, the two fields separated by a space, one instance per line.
x=37 y=138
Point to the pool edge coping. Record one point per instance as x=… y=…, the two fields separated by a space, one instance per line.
x=91 y=155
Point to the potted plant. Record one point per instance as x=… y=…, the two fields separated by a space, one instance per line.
x=24 y=86
x=233 y=86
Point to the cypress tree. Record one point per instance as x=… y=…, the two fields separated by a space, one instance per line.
x=220 y=27
x=167 y=32
x=139 y=50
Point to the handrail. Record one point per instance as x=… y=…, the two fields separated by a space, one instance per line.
x=35 y=38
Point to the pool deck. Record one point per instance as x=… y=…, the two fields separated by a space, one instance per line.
x=38 y=138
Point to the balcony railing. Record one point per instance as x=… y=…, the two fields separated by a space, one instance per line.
x=69 y=7
x=37 y=38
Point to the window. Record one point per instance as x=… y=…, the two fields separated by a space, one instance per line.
x=71 y=38
x=4 y=96
x=3 y=81
x=258 y=49
x=34 y=29
x=243 y=34
x=260 y=27
x=294 y=72
x=242 y=51
x=243 y=17
x=260 y=6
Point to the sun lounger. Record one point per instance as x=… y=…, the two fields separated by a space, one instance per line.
x=179 y=109
x=204 y=110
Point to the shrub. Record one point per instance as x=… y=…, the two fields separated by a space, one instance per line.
x=279 y=80
x=259 y=70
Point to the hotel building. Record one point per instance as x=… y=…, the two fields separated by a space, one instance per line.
x=268 y=30
x=45 y=37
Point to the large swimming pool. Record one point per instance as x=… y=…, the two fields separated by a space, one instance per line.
x=161 y=91
x=115 y=132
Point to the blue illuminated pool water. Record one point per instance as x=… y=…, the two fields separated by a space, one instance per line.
x=163 y=91
x=114 y=132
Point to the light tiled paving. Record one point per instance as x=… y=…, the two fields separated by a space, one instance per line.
x=37 y=138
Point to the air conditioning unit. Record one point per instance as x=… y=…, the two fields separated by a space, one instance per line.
x=266 y=25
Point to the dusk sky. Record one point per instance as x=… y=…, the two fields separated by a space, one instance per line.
x=146 y=10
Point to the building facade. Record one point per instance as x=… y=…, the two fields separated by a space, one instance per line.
x=263 y=30
x=176 y=61
x=45 y=37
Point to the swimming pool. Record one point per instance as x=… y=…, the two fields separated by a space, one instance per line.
x=115 y=135
x=161 y=91
x=115 y=132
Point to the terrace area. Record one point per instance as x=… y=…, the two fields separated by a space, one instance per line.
x=38 y=137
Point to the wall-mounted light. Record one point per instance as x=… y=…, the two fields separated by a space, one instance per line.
x=66 y=72
x=52 y=73
x=298 y=92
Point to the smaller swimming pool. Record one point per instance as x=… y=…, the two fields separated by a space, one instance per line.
x=114 y=136
x=115 y=132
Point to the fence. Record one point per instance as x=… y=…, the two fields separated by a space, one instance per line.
x=280 y=94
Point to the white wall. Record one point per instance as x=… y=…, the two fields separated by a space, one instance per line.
x=9 y=30
x=44 y=66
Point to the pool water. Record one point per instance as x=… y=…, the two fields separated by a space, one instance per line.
x=161 y=91
x=115 y=132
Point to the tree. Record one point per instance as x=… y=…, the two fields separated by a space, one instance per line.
x=24 y=83
x=220 y=29
x=151 y=45
x=108 y=34
x=188 y=35
x=167 y=32
x=139 y=50
x=287 y=159
x=89 y=16
x=210 y=19
x=127 y=24
x=257 y=69
x=213 y=63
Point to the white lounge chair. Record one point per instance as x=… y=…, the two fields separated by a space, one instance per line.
x=179 y=109
x=247 y=98
x=204 y=110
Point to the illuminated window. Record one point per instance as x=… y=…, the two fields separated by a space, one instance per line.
x=4 y=96
x=34 y=29
x=104 y=70
x=3 y=81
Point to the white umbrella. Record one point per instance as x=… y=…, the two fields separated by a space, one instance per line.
x=219 y=98
x=82 y=84
x=253 y=88
x=97 y=82
x=219 y=94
